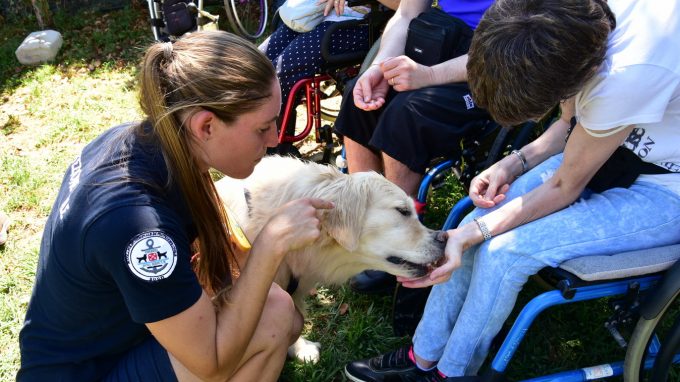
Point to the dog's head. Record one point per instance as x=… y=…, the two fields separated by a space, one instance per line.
x=377 y=222
x=373 y=225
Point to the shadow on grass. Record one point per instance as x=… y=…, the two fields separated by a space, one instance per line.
x=92 y=40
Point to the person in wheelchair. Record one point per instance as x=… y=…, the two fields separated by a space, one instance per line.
x=399 y=115
x=140 y=277
x=605 y=177
x=296 y=54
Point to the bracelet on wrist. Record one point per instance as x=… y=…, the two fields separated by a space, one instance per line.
x=486 y=234
x=522 y=159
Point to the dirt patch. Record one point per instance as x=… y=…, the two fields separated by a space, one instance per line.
x=309 y=148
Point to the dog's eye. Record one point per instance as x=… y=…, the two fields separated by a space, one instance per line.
x=404 y=211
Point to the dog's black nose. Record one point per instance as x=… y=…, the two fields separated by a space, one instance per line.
x=441 y=236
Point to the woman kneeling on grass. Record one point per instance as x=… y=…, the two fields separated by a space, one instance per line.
x=116 y=296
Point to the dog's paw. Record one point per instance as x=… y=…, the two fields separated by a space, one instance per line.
x=305 y=350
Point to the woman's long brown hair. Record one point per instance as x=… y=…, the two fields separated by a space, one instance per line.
x=211 y=70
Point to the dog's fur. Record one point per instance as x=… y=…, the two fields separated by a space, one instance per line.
x=373 y=225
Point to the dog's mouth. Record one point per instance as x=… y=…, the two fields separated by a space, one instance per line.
x=416 y=270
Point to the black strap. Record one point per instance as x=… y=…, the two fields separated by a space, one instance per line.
x=621 y=169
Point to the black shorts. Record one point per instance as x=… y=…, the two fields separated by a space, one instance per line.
x=414 y=127
x=148 y=362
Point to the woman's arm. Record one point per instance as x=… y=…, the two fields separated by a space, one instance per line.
x=212 y=344
x=488 y=188
x=583 y=156
x=394 y=36
x=406 y=74
x=371 y=87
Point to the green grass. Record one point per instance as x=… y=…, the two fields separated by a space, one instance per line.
x=49 y=112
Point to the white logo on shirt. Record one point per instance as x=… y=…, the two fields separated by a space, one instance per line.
x=151 y=256
x=469 y=103
x=73 y=181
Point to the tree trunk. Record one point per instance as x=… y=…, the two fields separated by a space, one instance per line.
x=42 y=13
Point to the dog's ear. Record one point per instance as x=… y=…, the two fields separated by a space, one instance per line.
x=345 y=222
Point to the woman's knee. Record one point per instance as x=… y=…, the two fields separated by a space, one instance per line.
x=281 y=316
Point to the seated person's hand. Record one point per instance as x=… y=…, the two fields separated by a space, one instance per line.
x=404 y=74
x=339 y=6
x=488 y=188
x=453 y=254
x=370 y=89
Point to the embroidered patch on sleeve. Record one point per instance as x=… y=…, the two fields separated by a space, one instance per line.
x=151 y=256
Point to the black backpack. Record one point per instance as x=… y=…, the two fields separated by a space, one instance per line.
x=178 y=17
x=435 y=36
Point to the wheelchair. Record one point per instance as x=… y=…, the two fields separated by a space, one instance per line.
x=648 y=280
x=482 y=147
x=329 y=83
x=170 y=19
x=479 y=150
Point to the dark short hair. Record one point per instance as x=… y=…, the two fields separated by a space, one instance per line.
x=527 y=55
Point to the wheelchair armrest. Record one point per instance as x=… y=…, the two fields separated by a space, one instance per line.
x=457 y=213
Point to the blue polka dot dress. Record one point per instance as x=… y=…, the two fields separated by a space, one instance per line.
x=298 y=55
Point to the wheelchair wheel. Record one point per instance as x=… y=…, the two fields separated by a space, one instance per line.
x=666 y=326
x=247 y=18
x=330 y=101
x=329 y=110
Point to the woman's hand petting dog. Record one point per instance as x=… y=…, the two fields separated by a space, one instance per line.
x=293 y=226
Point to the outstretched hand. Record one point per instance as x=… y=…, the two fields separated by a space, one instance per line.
x=453 y=254
x=488 y=189
x=370 y=89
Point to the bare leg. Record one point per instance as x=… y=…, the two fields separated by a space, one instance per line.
x=397 y=173
x=360 y=158
x=425 y=364
x=280 y=325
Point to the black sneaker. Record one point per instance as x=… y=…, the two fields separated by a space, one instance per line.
x=390 y=367
x=373 y=282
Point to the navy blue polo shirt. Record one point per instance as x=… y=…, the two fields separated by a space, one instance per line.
x=115 y=254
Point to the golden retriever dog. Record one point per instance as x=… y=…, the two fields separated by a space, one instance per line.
x=373 y=226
